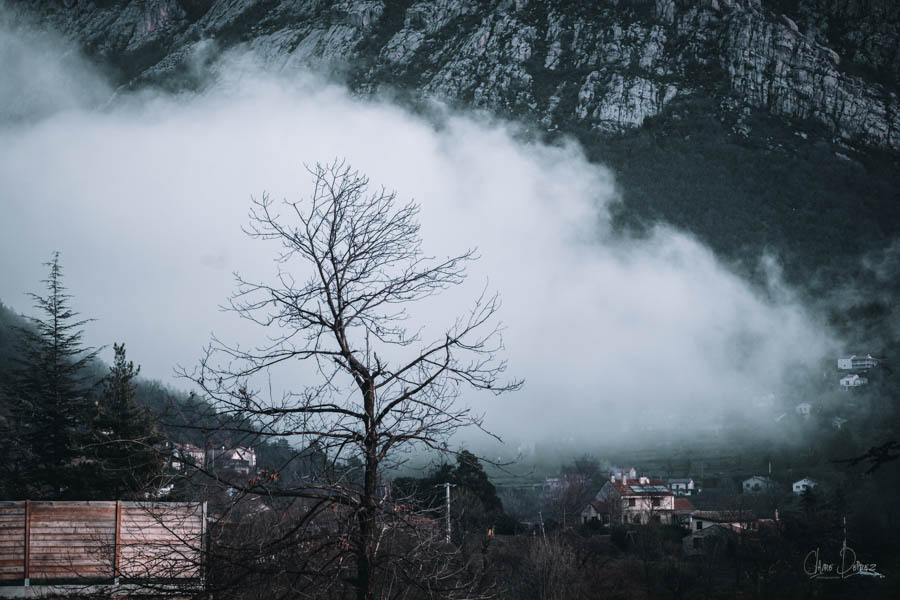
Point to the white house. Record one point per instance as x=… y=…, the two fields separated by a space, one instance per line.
x=803 y=409
x=857 y=361
x=838 y=422
x=734 y=519
x=639 y=501
x=853 y=381
x=681 y=487
x=618 y=472
x=804 y=484
x=182 y=456
x=596 y=511
x=240 y=460
x=757 y=483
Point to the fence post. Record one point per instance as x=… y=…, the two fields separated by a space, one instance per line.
x=27 y=573
x=117 y=542
x=203 y=546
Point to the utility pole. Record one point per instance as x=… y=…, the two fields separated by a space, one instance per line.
x=844 y=545
x=447 y=507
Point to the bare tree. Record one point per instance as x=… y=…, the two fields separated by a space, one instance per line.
x=349 y=266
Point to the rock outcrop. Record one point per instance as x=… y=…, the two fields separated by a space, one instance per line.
x=605 y=65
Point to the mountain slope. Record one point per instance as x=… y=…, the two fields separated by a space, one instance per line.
x=761 y=126
x=604 y=65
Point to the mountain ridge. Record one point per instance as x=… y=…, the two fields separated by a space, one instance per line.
x=607 y=66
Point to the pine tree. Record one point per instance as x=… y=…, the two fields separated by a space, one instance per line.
x=809 y=501
x=48 y=397
x=124 y=435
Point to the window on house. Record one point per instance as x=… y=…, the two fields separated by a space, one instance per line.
x=631 y=502
x=699 y=525
x=656 y=502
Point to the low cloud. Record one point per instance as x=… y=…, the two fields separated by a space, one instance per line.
x=145 y=197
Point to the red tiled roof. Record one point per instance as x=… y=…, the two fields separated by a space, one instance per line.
x=683 y=504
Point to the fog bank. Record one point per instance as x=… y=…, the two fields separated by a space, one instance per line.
x=144 y=195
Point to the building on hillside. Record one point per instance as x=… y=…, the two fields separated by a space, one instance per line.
x=803 y=409
x=638 y=501
x=596 y=511
x=853 y=381
x=801 y=485
x=240 y=460
x=757 y=483
x=857 y=361
x=733 y=519
x=710 y=530
x=180 y=456
x=618 y=472
x=185 y=456
x=838 y=422
x=684 y=508
x=682 y=487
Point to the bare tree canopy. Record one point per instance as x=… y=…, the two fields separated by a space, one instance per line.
x=349 y=266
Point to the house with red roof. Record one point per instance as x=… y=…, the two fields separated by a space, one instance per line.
x=637 y=500
x=684 y=508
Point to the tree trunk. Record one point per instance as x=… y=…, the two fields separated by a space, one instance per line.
x=365 y=589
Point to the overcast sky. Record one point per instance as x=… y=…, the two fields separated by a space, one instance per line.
x=145 y=196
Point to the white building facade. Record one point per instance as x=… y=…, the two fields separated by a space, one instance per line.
x=853 y=381
x=757 y=483
x=857 y=361
x=804 y=484
x=639 y=502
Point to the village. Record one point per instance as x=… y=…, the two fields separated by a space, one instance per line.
x=704 y=517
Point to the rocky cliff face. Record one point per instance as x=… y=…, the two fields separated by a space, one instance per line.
x=604 y=65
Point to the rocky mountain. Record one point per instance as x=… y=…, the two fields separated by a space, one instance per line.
x=603 y=66
x=767 y=128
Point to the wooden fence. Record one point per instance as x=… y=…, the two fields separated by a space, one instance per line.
x=100 y=540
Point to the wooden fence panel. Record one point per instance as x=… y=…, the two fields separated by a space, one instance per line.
x=12 y=540
x=160 y=539
x=70 y=540
x=75 y=540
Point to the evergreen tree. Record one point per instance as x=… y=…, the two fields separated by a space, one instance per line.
x=124 y=435
x=809 y=501
x=47 y=396
x=469 y=473
x=476 y=505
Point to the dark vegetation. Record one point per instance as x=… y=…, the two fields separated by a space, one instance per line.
x=73 y=428
x=816 y=207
